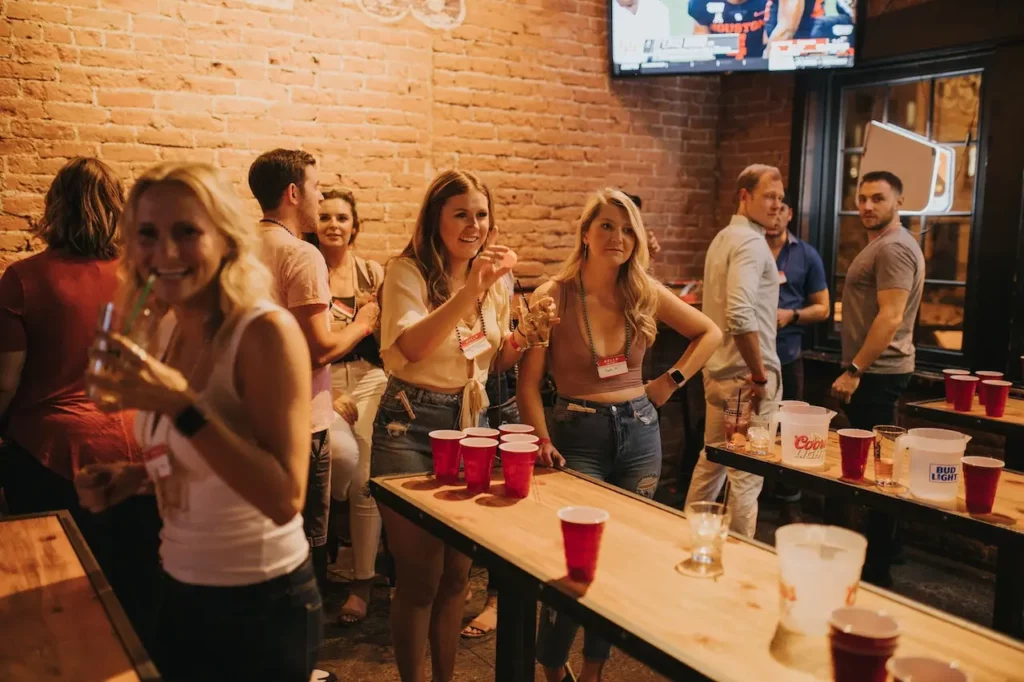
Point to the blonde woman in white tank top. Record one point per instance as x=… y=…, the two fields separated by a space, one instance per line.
x=225 y=432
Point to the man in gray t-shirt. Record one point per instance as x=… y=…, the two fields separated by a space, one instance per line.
x=879 y=307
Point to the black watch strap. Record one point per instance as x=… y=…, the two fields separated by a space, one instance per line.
x=189 y=421
x=796 y=316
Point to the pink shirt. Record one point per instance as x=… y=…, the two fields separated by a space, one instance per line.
x=300 y=279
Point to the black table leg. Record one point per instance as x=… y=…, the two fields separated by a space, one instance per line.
x=517 y=631
x=1014 y=453
x=1009 y=604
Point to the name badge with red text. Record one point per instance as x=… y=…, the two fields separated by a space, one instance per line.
x=474 y=345
x=158 y=462
x=611 y=366
x=782 y=277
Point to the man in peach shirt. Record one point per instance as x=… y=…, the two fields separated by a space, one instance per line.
x=285 y=183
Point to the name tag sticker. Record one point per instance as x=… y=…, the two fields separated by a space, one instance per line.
x=474 y=345
x=611 y=366
x=158 y=462
x=782 y=277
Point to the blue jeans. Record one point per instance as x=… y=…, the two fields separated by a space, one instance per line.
x=316 y=510
x=617 y=443
x=268 y=631
x=401 y=444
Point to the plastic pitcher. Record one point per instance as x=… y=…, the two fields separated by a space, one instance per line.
x=805 y=435
x=773 y=427
x=934 y=462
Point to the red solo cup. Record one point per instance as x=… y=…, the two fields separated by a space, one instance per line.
x=923 y=669
x=963 y=391
x=481 y=432
x=582 y=528
x=478 y=459
x=862 y=641
x=997 y=392
x=519 y=438
x=949 y=374
x=981 y=478
x=517 y=460
x=982 y=389
x=526 y=428
x=444 y=446
x=854 y=445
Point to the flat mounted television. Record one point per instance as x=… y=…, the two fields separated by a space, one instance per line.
x=659 y=37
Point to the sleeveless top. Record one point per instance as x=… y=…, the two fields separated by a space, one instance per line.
x=570 y=361
x=343 y=312
x=211 y=534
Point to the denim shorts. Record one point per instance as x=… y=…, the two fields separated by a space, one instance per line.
x=401 y=444
x=618 y=443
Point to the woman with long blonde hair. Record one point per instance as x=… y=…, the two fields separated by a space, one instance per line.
x=605 y=420
x=444 y=327
x=224 y=433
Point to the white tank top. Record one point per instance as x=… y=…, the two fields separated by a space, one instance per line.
x=212 y=536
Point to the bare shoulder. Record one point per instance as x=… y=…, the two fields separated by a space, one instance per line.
x=274 y=334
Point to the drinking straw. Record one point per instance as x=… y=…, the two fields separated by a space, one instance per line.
x=139 y=302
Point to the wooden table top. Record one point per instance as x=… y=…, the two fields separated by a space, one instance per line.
x=1012 y=419
x=53 y=623
x=1006 y=522
x=724 y=628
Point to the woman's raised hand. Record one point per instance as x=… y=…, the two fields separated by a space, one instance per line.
x=490 y=265
x=139 y=380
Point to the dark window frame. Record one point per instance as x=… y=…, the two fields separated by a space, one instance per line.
x=817 y=144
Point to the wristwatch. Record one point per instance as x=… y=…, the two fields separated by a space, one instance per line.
x=852 y=369
x=189 y=421
x=677 y=377
x=796 y=317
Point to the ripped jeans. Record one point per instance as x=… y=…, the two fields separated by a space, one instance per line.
x=617 y=443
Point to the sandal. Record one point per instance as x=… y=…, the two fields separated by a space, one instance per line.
x=483 y=625
x=350 y=616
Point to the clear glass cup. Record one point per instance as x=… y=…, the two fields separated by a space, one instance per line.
x=536 y=327
x=138 y=325
x=737 y=421
x=888 y=460
x=758 y=435
x=709 y=527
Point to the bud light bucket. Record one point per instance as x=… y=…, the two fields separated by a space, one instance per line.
x=934 y=463
x=805 y=435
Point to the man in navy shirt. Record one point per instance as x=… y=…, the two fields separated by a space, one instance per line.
x=744 y=18
x=803 y=298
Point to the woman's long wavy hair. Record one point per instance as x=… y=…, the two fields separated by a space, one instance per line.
x=637 y=286
x=81 y=211
x=243 y=279
x=425 y=248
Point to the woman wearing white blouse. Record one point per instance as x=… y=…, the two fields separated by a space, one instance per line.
x=444 y=326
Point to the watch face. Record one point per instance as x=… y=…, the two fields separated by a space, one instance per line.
x=677 y=376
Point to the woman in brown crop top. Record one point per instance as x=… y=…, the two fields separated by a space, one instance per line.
x=605 y=421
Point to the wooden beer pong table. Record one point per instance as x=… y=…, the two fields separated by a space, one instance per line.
x=722 y=629
x=1004 y=527
x=1010 y=425
x=59 y=620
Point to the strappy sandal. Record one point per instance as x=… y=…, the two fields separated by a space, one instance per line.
x=478 y=628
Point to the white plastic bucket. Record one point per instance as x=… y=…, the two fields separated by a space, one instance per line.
x=934 y=463
x=805 y=435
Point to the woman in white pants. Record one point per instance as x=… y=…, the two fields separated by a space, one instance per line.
x=357 y=383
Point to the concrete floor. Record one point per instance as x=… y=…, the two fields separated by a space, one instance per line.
x=363 y=653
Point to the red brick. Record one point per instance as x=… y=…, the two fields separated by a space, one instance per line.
x=23 y=204
x=102 y=19
x=10 y=223
x=64 y=149
x=166 y=138
x=106 y=133
x=35 y=11
x=126 y=98
x=128 y=152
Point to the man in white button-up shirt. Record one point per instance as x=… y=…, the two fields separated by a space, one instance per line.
x=741 y=296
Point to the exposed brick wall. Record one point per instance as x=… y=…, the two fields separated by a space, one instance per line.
x=519 y=93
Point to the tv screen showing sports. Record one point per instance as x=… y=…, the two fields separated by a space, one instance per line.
x=651 y=37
